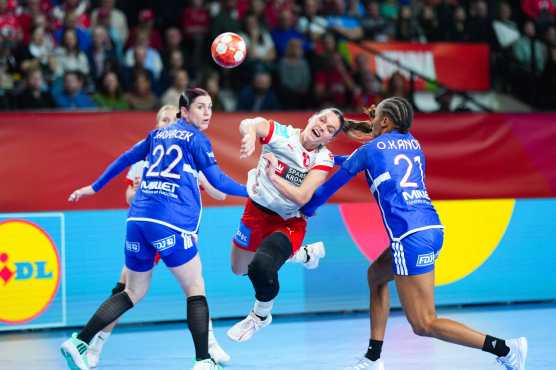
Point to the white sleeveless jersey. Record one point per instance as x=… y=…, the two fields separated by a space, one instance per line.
x=136 y=171
x=294 y=163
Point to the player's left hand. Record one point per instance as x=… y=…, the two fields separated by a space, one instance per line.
x=248 y=142
x=272 y=164
x=84 y=191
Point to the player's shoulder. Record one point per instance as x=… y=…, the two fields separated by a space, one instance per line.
x=284 y=130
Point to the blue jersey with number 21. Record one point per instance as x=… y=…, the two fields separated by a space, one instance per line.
x=394 y=166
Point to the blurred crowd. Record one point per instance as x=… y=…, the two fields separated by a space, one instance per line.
x=139 y=55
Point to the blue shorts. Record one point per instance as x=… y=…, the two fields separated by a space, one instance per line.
x=416 y=253
x=144 y=239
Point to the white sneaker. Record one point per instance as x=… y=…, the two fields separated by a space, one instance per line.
x=75 y=352
x=207 y=364
x=365 y=363
x=95 y=348
x=216 y=352
x=515 y=359
x=315 y=251
x=244 y=330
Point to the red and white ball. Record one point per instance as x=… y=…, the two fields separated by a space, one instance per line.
x=228 y=50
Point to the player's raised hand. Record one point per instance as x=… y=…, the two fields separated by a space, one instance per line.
x=84 y=191
x=248 y=144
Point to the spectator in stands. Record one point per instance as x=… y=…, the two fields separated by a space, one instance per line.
x=375 y=27
x=400 y=86
x=429 y=24
x=389 y=9
x=407 y=27
x=81 y=33
x=69 y=56
x=458 y=30
x=196 y=26
x=310 y=24
x=38 y=53
x=333 y=83
x=274 y=9
x=211 y=83
x=76 y=7
x=542 y=12
x=295 y=76
x=260 y=46
x=548 y=82
x=35 y=94
x=145 y=29
x=480 y=24
x=550 y=37
x=445 y=12
x=142 y=96
x=259 y=96
x=152 y=61
x=369 y=88
x=110 y=95
x=528 y=51
x=172 y=94
x=173 y=41
x=72 y=95
x=32 y=9
x=343 y=24
x=285 y=31
x=113 y=19
x=226 y=20
x=176 y=63
x=102 y=54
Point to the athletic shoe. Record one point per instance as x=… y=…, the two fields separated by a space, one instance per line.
x=244 y=330
x=95 y=348
x=315 y=251
x=216 y=352
x=365 y=363
x=75 y=352
x=207 y=364
x=515 y=359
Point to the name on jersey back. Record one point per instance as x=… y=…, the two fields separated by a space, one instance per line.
x=400 y=144
x=174 y=134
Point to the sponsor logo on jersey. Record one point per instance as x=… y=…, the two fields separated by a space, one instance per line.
x=133 y=247
x=165 y=243
x=29 y=271
x=416 y=196
x=425 y=259
x=174 y=134
x=242 y=236
x=291 y=174
x=160 y=187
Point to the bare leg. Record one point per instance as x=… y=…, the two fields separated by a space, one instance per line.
x=241 y=260
x=417 y=297
x=378 y=276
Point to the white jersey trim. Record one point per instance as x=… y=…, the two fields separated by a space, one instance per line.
x=409 y=232
x=155 y=221
x=379 y=180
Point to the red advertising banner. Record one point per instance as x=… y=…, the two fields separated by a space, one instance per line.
x=463 y=67
x=469 y=156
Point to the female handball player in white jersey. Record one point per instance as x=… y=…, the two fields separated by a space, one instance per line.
x=271 y=228
x=394 y=166
x=164 y=217
x=165 y=116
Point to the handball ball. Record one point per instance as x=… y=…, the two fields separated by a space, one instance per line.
x=228 y=50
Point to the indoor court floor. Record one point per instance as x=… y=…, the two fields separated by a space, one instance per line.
x=324 y=341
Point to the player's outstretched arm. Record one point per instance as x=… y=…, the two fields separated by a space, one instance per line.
x=211 y=190
x=251 y=129
x=81 y=192
x=223 y=182
x=297 y=194
x=326 y=190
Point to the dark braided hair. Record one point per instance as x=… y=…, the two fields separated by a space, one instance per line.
x=399 y=110
x=188 y=96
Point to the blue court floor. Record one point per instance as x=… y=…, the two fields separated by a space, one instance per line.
x=303 y=342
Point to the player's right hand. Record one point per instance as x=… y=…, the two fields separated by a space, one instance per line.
x=84 y=191
x=247 y=144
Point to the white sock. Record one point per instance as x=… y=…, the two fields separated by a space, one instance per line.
x=263 y=309
x=300 y=256
x=100 y=339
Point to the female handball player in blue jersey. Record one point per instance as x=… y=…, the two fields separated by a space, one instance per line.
x=271 y=228
x=165 y=116
x=394 y=166
x=164 y=217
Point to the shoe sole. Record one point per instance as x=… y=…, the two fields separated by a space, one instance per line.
x=71 y=364
x=523 y=341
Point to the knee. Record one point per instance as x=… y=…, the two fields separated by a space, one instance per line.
x=373 y=279
x=135 y=294
x=423 y=327
x=238 y=270
x=261 y=270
